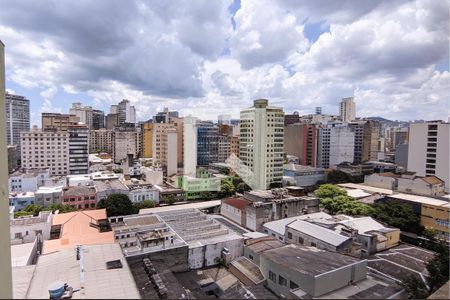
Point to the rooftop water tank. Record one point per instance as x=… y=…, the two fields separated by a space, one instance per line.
x=56 y=289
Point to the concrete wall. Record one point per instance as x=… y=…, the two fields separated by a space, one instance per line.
x=207 y=255
x=383 y=182
x=231 y=212
x=5 y=249
x=308 y=240
x=418 y=186
x=336 y=279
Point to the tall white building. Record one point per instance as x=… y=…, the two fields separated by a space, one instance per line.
x=85 y=113
x=347 y=109
x=190 y=146
x=127 y=112
x=78 y=149
x=335 y=145
x=262 y=143
x=46 y=149
x=428 y=150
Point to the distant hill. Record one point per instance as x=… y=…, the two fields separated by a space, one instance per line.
x=385 y=121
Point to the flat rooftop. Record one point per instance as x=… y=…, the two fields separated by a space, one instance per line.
x=21 y=254
x=366 y=188
x=196 y=205
x=249 y=269
x=262 y=244
x=105 y=185
x=300 y=168
x=308 y=260
x=420 y=199
x=96 y=279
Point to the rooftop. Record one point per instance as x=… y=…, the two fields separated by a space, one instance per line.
x=89 y=273
x=433 y=180
x=49 y=189
x=366 y=188
x=319 y=232
x=248 y=268
x=105 y=185
x=21 y=254
x=196 y=205
x=237 y=202
x=79 y=190
x=308 y=260
x=262 y=244
x=279 y=226
x=76 y=229
x=365 y=224
x=420 y=199
x=301 y=168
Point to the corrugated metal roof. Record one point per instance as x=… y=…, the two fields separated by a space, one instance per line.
x=326 y=235
x=279 y=226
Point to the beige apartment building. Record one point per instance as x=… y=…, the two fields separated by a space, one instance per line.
x=100 y=141
x=159 y=141
x=46 y=149
x=125 y=141
x=57 y=121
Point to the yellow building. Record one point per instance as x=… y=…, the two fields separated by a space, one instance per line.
x=437 y=217
x=147 y=140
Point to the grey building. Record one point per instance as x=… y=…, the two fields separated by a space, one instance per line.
x=98 y=119
x=303 y=272
x=207 y=143
x=17 y=118
x=401 y=155
x=78 y=149
x=304 y=175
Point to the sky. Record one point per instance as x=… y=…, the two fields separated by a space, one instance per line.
x=205 y=57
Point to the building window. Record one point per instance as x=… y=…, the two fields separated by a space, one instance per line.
x=18 y=235
x=290 y=235
x=282 y=281
x=300 y=240
x=272 y=276
x=293 y=285
x=313 y=244
x=250 y=256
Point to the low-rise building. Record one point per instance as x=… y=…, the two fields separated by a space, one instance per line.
x=140 y=190
x=80 y=197
x=168 y=193
x=147 y=235
x=260 y=207
x=28 y=180
x=304 y=176
x=298 y=271
x=48 y=195
x=407 y=183
x=106 y=188
x=21 y=200
x=68 y=230
x=195 y=187
x=253 y=248
x=25 y=229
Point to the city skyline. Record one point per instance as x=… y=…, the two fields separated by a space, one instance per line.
x=212 y=58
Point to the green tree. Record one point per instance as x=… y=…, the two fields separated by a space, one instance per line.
x=397 y=215
x=116 y=205
x=61 y=208
x=142 y=205
x=415 y=287
x=243 y=187
x=171 y=199
x=438 y=267
x=329 y=191
x=226 y=188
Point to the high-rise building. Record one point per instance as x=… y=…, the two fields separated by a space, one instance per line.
x=17 y=118
x=126 y=112
x=125 y=140
x=78 y=149
x=261 y=143
x=234 y=145
x=100 y=141
x=12 y=158
x=112 y=120
x=46 y=149
x=224 y=148
x=114 y=109
x=335 y=145
x=147 y=139
x=98 y=119
x=190 y=146
x=207 y=143
x=57 y=121
x=367 y=135
x=172 y=153
x=428 y=151
x=347 y=109
x=165 y=115
x=300 y=140
x=291 y=119
x=85 y=113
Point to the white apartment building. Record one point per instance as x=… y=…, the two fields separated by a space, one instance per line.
x=46 y=149
x=190 y=146
x=262 y=143
x=85 y=113
x=25 y=229
x=29 y=181
x=428 y=151
x=78 y=149
x=47 y=195
x=100 y=141
x=335 y=144
x=347 y=109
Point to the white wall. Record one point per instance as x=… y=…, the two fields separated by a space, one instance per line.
x=231 y=212
x=342 y=145
x=190 y=146
x=172 y=157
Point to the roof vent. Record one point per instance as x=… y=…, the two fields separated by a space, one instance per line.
x=114 y=264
